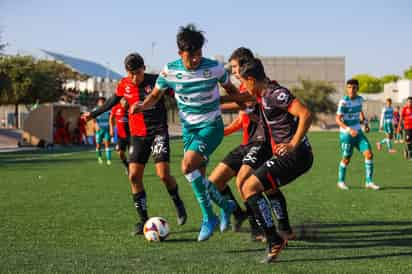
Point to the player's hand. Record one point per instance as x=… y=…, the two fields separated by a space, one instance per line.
x=283 y=149
x=353 y=132
x=87 y=116
x=136 y=107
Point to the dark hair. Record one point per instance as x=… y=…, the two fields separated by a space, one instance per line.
x=353 y=82
x=253 y=68
x=189 y=38
x=388 y=100
x=409 y=98
x=241 y=53
x=133 y=61
x=101 y=98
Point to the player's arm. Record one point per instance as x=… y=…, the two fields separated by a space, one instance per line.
x=111 y=102
x=364 y=120
x=111 y=124
x=398 y=130
x=234 y=126
x=148 y=102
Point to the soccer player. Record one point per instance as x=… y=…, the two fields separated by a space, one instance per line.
x=406 y=119
x=396 y=118
x=119 y=115
x=102 y=134
x=149 y=136
x=251 y=154
x=386 y=124
x=288 y=120
x=349 y=117
x=195 y=82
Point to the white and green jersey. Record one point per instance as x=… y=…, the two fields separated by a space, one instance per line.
x=350 y=110
x=196 y=91
x=386 y=115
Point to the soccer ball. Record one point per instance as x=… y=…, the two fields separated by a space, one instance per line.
x=156 y=229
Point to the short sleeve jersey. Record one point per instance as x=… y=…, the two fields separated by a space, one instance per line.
x=196 y=91
x=350 y=110
x=407 y=117
x=103 y=120
x=122 y=120
x=387 y=114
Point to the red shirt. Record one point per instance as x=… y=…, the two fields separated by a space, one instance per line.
x=120 y=114
x=407 y=117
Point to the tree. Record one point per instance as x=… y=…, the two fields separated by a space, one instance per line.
x=2 y=45
x=32 y=81
x=368 y=83
x=316 y=95
x=408 y=73
x=389 y=78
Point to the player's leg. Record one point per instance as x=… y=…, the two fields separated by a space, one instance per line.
x=121 y=147
x=365 y=148
x=139 y=153
x=106 y=141
x=408 y=144
x=346 y=145
x=99 y=139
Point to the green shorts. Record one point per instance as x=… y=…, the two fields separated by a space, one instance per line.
x=102 y=134
x=388 y=128
x=203 y=140
x=348 y=143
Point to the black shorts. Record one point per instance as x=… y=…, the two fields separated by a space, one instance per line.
x=122 y=143
x=141 y=148
x=408 y=135
x=281 y=170
x=253 y=155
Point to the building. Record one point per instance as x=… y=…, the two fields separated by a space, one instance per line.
x=398 y=91
x=288 y=71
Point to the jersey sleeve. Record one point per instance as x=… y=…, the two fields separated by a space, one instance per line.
x=281 y=98
x=222 y=74
x=120 y=89
x=341 y=105
x=162 y=83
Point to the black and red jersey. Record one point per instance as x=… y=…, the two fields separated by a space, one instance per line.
x=275 y=104
x=121 y=115
x=151 y=121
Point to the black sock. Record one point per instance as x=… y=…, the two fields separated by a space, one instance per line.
x=227 y=193
x=251 y=218
x=125 y=163
x=139 y=200
x=174 y=194
x=409 y=147
x=279 y=207
x=263 y=216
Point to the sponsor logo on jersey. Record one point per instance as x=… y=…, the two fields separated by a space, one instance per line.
x=207 y=73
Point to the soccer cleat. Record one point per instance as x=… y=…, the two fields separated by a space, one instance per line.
x=100 y=160
x=181 y=213
x=274 y=249
x=257 y=235
x=138 y=230
x=239 y=221
x=207 y=229
x=378 y=146
x=343 y=186
x=225 y=216
x=289 y=235
x=372 y=186
x=109 y=163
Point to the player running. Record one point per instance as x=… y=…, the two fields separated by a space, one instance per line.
x=288 y=120
x=102 y=133
x=120 y=116
x=149 y=135
x=195 y=82
x=406 y=119
x=396 y=118
x=349 y=117
x=386 y=124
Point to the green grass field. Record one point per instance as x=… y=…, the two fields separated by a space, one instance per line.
x=62 y=212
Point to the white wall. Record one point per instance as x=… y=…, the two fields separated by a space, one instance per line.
x=398 y=91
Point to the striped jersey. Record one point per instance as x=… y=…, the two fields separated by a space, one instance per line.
x=350 y=110
x=387 y=115
x=196 y=91
x=103 y=120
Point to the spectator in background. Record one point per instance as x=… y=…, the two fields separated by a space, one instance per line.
x=61 y=135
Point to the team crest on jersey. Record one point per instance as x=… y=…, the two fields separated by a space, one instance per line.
x=179 y=75
x=207 y=73
x=148 y=89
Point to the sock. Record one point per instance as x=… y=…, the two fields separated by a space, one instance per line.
x=139 y=200
x=389 y=143
x=108 y=154
x=383 y=141
x=251 y=218
x=125 y=163
x=174 y=194
x=99 y=153
x=227 y=193
x=202 y=195
x=215 y=195
x=278 y=203
x=369 y=171
x=342 y=172
x=263 y=216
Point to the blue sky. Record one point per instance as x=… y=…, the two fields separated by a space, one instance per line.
x=374 y=36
